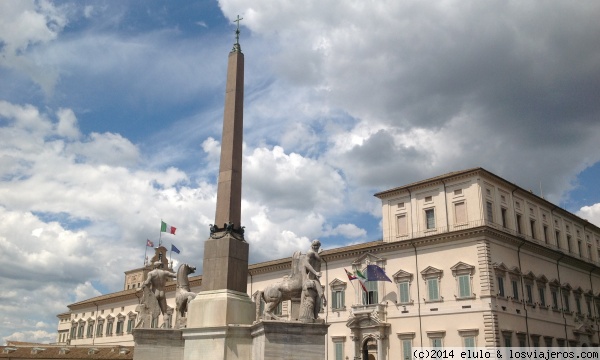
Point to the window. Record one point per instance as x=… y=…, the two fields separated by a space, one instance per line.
x=90 y=330
x=401 y=225
x=337 y=300
x=519 y=224
x=554 y=295
x=338 y=347
x=489 y=211
x=566 y=304
x=429 y=219
x=515 y=289
x=432 y=278
x=557 y=235
x=428 y=198
x=578 y=304
x=407 y=349
x=120 y=327
x=154 y=323
x=545 y=228
x=433 y=292
x=507 y=339
x=339 y=350
x=460 y=212
x=469 y=338
x=109 y=329
x=579 y=249
x=279 y=310
x=458 y=192
x=529 y=293
x=500 y=285
x=542 y=295
x=99 y=329
x=370 y=297
x=504 y=218
x=464 y=277
x=73 y=332
x=406 y=340
x=589 y=251
x=403 y=279
x=588 y=304
x=532 y=228
x=130 y=325
x=569 y=243
x=400 y=205
x=404 y=292
x=469 y=342
x=436 y=338
x=560 y=342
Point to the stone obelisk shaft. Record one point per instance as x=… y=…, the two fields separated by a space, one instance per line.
x=229 y=193
x=225 y=265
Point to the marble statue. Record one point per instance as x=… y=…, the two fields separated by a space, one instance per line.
x=303 y=283
x=183 y=295
x=153 y=301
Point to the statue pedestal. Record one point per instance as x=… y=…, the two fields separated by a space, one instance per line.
x=275 y=340
x=218 y=326
x=158 y=344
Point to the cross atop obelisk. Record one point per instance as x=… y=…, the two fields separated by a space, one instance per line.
x=225 y=263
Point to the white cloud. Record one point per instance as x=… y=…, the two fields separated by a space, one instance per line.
x=591 y=213
x=23 y=26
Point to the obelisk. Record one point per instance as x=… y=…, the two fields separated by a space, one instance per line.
x=219 y=318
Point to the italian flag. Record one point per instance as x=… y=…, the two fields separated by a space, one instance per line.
x=164 y=227
x=362 y=279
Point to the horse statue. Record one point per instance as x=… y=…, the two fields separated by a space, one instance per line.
x=183 y=295
x=287 y=289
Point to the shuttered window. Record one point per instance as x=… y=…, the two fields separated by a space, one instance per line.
x=460 y=212
x=464 y=286
x=401 y=224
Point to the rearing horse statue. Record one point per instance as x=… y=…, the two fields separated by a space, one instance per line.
x=183 y=295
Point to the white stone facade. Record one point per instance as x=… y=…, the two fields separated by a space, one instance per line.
x=474 y=260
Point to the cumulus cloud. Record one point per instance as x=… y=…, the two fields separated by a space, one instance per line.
x=23 y=26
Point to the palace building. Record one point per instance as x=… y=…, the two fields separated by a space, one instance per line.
x=475 y=261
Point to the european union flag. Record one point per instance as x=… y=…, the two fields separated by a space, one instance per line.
x=174 y=248
x=375 y=273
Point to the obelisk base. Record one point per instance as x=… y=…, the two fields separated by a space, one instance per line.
x=158 y=344
x=276 y=340
x=218 y=326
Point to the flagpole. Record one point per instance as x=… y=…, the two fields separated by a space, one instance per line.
x=171 y=253
x=160 y=233
x=145 y=251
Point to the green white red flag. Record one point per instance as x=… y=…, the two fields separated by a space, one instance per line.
x=164 y=227
x=362 y=279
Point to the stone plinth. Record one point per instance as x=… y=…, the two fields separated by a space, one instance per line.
x=158 y=344
x=218 y=326
x=225 y=264
x=276 y=340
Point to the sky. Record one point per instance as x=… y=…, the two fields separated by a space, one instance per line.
x=111 y=115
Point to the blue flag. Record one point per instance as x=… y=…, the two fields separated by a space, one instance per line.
x=375 y=273
x=173 y=248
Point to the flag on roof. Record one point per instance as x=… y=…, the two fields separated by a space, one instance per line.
x=375 y=273
x=362 y=279
x=164 y=227
x=350 y=275
x=174 y=248
x=149 y=243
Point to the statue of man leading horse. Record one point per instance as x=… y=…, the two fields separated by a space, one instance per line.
x=305 y=274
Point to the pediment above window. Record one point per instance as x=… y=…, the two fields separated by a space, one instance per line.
x=430 y=271
x=554 y=283
x=461 y=268
x=529 y=276
x=542 y=279
x=338 y=284
x=515 y=271
x=367 y=259
x=402 y=275
x=500 y=267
